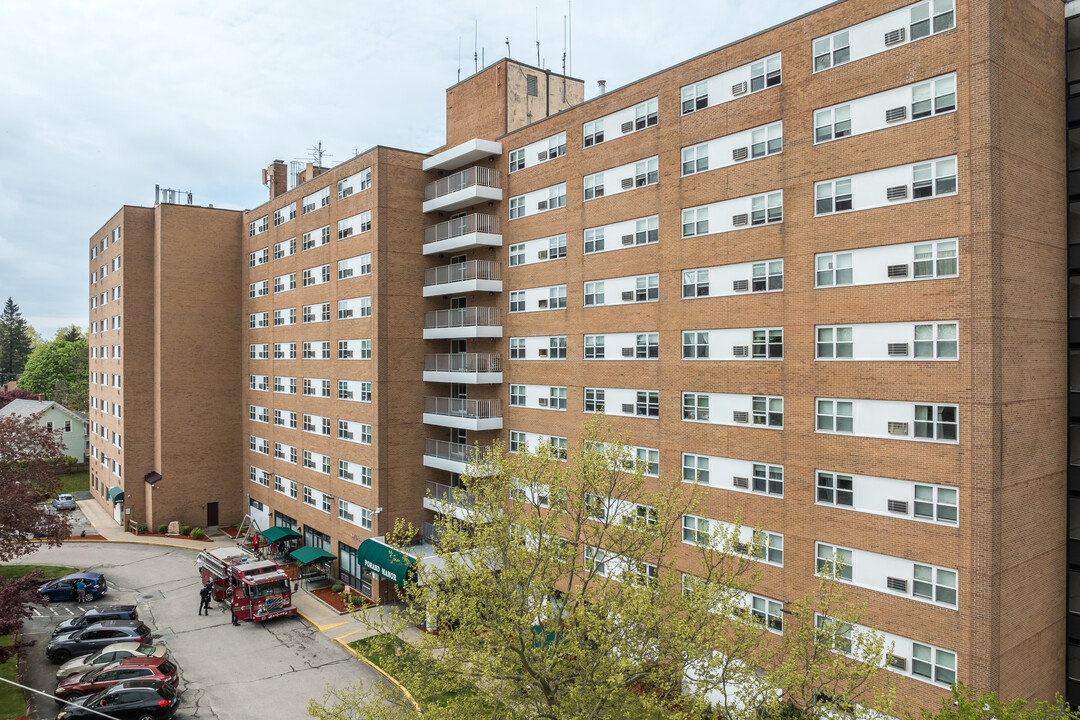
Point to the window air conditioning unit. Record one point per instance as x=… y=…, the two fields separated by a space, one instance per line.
x=309 y=208
x=740 y=285
x=542 y=402
x=898 y=349
x=627 y=183
x=628 y=408
x=627 y=239
x=741 y=482
x=740 y=416
x=542 y=352
x=898 y=428
x=898 y=271
x=898 y=584
x=740 y=219
x=627 y=127
x=894 y=36
x=896 y=114
x=897 y=506
x=628 y=295
x=542 y=255
x=895 y=661
x=897 y=192
x=628 y=352
x=542 y=155
x=342 y=234
x=738 y=89
x=542 y=205
x=740 y=350
x=542 y=303
x=740 y=153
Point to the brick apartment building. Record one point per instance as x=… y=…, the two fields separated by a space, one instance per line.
x=797 y=269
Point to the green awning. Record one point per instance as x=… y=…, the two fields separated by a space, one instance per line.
x=308 y=555
x=278 y=533
x=116 y=494
x=395 y=566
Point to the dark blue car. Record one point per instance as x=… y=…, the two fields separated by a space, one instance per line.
x=64 y=588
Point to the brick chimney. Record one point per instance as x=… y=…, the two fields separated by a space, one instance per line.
x=277 y=177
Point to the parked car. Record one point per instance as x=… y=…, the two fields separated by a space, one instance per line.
x=127 y=700
x=108 y=654
x=81 y=642
x=132 y=668
x=64 y=501
x=64 y=588
x=96 y=615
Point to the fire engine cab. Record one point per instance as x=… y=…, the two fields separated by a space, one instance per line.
x=255 y=589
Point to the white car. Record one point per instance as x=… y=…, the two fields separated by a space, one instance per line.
x=108 y=654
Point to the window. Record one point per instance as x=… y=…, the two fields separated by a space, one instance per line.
x=767 y=140
x=594 y=347
x=931 y=17
x=695 y=345
x=517 y=348
x=936 y=422
x=695 y=221
x=595 y=561
x=259 y=257
x=934 y=584
x=695 y=283
x=832 y=51
x=646 y=114
x=695 y=97
x=832 y=123
x=517 y=395
x=765 y=73
x=767 y=479
x=767 y=208
x=517 y=301
x=935 y=503
x=557 y=146
x=695 y=406
x=557 y=398
x=933 y=97
x=517 y=207
x=835 y=269
x=285 y=214
x=835 y=416
x=286 y=316
x=594 y=240
x=647 y=172
x=647 y=346
x=558 y=446
x=695 y=530
x=319 y=237
x=933 y=663
x=557 y=297
x=835 y=489
x=834 y=634
x=557 y=347
x=833 y=196
x=834 y=342
x=557 y=196
x=646 y=288
x=518 y=441
x=936 y=340
x=935 y=259
x=695 y=159
x=834 y=561
x=934 y=178
x=594 y=186
x=557 y=247
x=647 y=403
x=767 y=276
x=593 y=132
x=768 y=612
x=517 y=254
x=258 y=289
x=285 y=248
x=517 y=160
x=768 y=411
x=284 y=283
x=695 y=468
x=594 y=400
x=350 y=267
x=768 y=547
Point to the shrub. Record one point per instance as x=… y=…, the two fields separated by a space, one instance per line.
x=197 y=533
x=185 y=530
x=141 y=528
x=337 y=588
x=163 y=528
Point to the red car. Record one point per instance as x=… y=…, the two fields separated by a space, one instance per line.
x=132 y=668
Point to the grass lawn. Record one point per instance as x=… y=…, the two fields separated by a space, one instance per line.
x=381 y=650
x=51 y=572
x=75 y=482
x=11 y=697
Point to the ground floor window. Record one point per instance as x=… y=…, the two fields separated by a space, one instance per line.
x=314 y=538
x=351 y=572
x=283 y=520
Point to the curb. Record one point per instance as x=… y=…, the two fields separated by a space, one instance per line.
x=401 y=688
x=317 y=626
x=29 y=700
x=143 y=542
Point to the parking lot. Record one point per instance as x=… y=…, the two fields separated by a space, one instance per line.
x=227 y=672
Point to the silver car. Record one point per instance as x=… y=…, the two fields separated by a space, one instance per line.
x=108 y=654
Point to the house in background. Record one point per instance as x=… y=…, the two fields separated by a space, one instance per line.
x=71 y=425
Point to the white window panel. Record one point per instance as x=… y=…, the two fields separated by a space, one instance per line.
x=752 y=411
x=904 y=341
x=285 y=214
x=737 y=279
x=898 y=185
x=538 y=250
x=316 y=200
x=315 y=238
x=732 y=149
x=888 y=419
x=354 y=266
x=890 y=108
x=622 y=179
x=354 y=183
x=902 y=262
x=538 y=201
x=731 y=84
x=538 y=152
x=359 y=307
x=621 y=235
x=552 y=297
x=641 y=115
x=354 y=225
x=540 y=347
x=884 y=32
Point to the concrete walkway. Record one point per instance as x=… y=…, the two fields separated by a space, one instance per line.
x=106 y=527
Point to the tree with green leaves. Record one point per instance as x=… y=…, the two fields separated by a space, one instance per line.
x=558 y=591
x=61 y=371
x=70 y=333
x=15 y=342
x=966 y=703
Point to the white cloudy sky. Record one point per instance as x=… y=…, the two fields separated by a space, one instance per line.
x=101 y=99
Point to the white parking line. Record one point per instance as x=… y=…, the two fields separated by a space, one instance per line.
x=69 y=611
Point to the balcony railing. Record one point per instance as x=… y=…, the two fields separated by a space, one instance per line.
x=457 y=452
x=462 y=408
x=463 y=362
x=449 y=494
x=474 y=223
x=460 y=272
x=462 y=317
x=488 y=177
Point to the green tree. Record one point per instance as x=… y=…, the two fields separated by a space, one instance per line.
x=60 y=370
x=15 y=342
x=967 y=704
x=559 y=594
x=71 y=333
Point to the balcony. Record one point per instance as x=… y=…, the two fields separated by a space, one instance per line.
x=454 y=457
x=467 y=368
x=466 y=153
x=463 y=233
x=447 y=499
x=463 y=188
x=463 y=414
x=466 y=322
x=466 y=277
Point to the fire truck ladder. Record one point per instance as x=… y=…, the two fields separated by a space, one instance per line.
x=247 y=530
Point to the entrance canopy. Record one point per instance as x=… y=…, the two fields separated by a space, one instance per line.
x=395 y=566
x=308 y=555
x=116 y=494
x=278 y=533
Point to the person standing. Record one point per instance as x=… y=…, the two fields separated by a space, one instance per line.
x=255 y=543
x=205 y=594
x=80 y=590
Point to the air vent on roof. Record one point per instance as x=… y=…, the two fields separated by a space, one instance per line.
x=740 y=416
x=740 y=153
x=897 y=506
x=738 y=89
x=894 y=36
x=896 y=113
x=627 y=127
x=740 y=285
x=898 y=271
x=741 y=482
x=627 y=183
x=898 y=428
x=740 y=350
x=897 y=192
x=740 y=219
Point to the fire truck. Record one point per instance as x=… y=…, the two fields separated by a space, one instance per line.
x=255 y=589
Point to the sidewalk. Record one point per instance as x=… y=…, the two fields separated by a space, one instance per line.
x=107 y=528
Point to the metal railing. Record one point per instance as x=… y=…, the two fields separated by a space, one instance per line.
x=463 y=408
x=463 y=362
x=463 y=225
x=449 y=494
x=459 y=272
x=458 y=452
x=488 y=177
x=461 y=317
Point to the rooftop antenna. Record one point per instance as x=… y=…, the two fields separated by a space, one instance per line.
x=570 y=26
x=459 y=58
x=538 y=63
x=475 y=57
x=317 y=152
x=564 y=59
x=507 y=47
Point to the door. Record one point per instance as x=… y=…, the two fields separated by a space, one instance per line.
x=211 y=514
x=458 y=346
x=118 y=513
